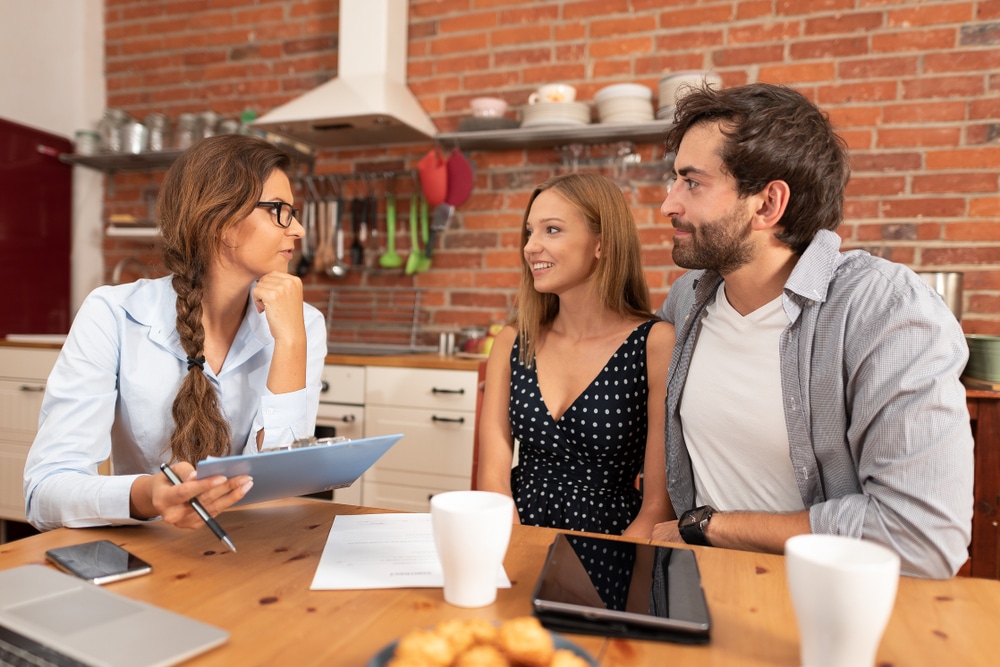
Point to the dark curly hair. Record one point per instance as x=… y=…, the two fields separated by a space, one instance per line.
x=774 y=133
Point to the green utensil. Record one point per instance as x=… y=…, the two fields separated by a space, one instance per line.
x=413 y=260
x=425 y=261
x=390 y=259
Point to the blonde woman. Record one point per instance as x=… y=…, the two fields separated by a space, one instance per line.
x=578 y=376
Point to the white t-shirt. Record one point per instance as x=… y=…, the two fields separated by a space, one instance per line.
x=732 y=414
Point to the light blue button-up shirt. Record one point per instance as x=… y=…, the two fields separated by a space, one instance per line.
x=112 y=389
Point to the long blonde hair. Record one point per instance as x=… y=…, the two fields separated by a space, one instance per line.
x=620 y=280
x=210 y=188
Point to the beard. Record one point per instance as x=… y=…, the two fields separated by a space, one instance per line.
x=722 y=245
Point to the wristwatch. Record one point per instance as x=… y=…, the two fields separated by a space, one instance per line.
x=693 y=523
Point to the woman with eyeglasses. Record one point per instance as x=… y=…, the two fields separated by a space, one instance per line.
x=221 y=357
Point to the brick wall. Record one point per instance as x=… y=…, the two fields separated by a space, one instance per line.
x=914 y=88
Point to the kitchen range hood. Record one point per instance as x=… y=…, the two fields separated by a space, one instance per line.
x=369 y=102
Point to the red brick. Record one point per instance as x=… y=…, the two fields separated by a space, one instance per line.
x=799 y=73
x=929 y=15
x=844 y=23
x=867 y=68
x=468 y=22
x=765 y=31
x=616 y=47
x=909 y=137
x=972 y=231
x=866 y=186
x=984 y=207
x=963 y=158
x=955 y=182
x=837 y=47
x=920 y=40
x=959 y=256
x=696 y=16
x=923 y=207
x=748 y=55
x=622 y=26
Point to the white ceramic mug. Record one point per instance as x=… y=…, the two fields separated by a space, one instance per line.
x=843 y=590
x=553 y=92
x=471 y=533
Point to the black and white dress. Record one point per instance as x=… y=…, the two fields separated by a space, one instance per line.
x=579 y=473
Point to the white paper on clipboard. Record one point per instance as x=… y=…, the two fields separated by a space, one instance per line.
x=297 y=472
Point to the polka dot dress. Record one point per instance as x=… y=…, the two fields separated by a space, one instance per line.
x=579 y=473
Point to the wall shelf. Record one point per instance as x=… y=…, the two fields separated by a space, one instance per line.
x=556 y=135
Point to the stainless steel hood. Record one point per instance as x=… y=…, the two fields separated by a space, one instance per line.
x=368 y=102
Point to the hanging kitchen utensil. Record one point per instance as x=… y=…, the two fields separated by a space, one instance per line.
x=390 y=259
x=433 y=171
x=338 y=267
x=425 y=260
x=460 y=179
x=369 y=236
x=413 y=260
x=320 y=257
x=305 y=258
x=359 y=209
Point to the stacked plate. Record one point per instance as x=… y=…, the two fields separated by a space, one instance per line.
x=624 y=103
x=676 y=85
x=541 y=114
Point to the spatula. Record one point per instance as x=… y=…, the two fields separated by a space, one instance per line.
x=390 y=259
x=413 y=260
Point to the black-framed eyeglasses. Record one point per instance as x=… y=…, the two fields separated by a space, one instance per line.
x=278 y=209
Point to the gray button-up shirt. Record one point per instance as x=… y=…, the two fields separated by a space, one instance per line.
x=878 y=427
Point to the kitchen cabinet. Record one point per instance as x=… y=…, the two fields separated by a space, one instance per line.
x=435 y=409
x=23 y=372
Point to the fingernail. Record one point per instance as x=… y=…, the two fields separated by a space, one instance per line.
x=246 y=487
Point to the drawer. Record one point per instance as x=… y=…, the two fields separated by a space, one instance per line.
x=26 y=362
x=436 y=442
x=343 y=384
x=421 y=388
x=349 y=420
x=402 y=497
x=12 y=458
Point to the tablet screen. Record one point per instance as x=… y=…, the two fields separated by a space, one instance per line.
x=616 y=586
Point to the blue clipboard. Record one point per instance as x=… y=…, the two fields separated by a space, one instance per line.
x=297 y=472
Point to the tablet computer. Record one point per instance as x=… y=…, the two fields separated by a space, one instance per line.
x=595 y=585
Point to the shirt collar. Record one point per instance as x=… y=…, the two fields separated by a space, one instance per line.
x=153 y=303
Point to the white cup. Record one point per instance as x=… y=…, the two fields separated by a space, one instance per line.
x=843 y=590
x=471 y=533
x=553 y=92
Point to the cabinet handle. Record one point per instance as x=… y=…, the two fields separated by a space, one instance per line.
x=450 y=420
x=26 y=387
x=435 y=390
x=348 y=419
x=325 y=388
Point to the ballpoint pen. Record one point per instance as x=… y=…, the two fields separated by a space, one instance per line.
x=199 y=508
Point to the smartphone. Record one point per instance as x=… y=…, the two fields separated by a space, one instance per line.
x=98 y=562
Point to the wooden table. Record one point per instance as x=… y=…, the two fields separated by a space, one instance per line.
x=261 y=596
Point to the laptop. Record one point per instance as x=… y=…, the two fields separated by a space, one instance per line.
x=300 y=471
x=92 y=625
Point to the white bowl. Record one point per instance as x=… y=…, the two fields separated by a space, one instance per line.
x=488 y=107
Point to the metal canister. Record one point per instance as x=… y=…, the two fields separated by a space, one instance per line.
x=207 y=120
x=134 y=137
x=158 y=128
x=111 y=128
x=186 y=127
x=86 y=142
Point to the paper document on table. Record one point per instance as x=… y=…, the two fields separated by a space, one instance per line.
x=382 y=551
